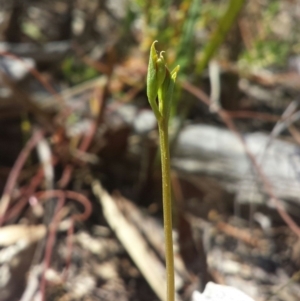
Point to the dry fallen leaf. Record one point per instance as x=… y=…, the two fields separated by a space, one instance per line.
x=11 y=234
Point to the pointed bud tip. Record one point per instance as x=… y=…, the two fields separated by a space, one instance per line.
x=174 y=72
x=153 y=45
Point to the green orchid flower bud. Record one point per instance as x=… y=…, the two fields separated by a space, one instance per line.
x=161 y=69
x=155 y=77
x=165 y=92
x=160 y=82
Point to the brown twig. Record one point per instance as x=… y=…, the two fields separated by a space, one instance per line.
x=15 y=171
x=61 y=196
x=99 y=66
x=265 y=181
x=25 y=100
x=253 y=115
x=52 y=230
x=77 y=217
x=28 y=191
x=87 y=138
x=34 y=72
x=239 y=234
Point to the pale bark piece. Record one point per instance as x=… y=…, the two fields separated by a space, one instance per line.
x=217 y=292
x=49 y=52
x=16 y=69
x=205 y=149
x=152 y=231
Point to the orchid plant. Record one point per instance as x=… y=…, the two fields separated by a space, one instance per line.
x=160 y=86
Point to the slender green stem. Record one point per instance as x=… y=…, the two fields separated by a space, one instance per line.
x=167 y=206
x=226 y=22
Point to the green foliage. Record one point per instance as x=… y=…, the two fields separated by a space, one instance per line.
x=33 y=31
x=265 y=54
x=76 y=71
x=186 y=49
x=267 y=49
x=211 y=12
x=272 y=10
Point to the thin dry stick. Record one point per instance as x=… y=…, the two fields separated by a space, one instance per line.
x=61 y=195
x=15 y=171
x=266 y=183
x=34 y=73
x=51 y=237
x=27 y=192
